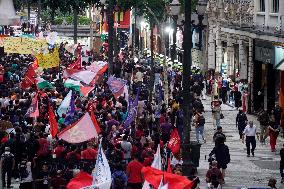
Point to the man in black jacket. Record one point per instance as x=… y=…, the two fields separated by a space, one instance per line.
x=241 y=122
x=222 y=154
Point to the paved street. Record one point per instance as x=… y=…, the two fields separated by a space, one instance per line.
x=242 y=171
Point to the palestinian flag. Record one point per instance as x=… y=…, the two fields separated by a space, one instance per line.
x=42 y=84
x=77 y=86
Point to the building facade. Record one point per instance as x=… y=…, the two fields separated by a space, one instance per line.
x=242 y=37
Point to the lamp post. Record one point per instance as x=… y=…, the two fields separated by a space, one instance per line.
x=174 y=12
x=187 y=104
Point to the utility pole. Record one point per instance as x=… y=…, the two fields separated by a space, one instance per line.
x=187 y=104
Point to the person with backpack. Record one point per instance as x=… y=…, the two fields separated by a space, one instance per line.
x=119 y=178
x=25 y=169
x=8 y=165
x=222 y=154
x=219 y=137
x=199 y=126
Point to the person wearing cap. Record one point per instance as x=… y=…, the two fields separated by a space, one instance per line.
x=8 y=165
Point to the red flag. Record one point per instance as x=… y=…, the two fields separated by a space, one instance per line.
x=52 y=122
x=33 y=110
x=90 y=107
x=77 y=64
x=85 y=90
x=29 y=78
x=169 y=168
x=175 y=142
x=83 y=130
x=154 y=177
x=35 y=64
x=81 y=180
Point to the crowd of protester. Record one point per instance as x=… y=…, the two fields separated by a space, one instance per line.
x=32 y=157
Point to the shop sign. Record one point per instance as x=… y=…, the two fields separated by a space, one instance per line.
x=264 y=55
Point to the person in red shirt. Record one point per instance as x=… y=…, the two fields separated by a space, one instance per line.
x=43 y=150
x=58 y=151
x=134 y=175
x=74 y=154
x=90 y=153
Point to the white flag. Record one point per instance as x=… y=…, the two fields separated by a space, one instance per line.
x=65 y=104
x=101 y=174
x=157 y=164
x=162 y=185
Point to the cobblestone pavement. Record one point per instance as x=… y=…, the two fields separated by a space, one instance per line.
x=242 y=171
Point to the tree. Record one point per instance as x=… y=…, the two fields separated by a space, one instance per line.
x=74 y=6
x=53 y=6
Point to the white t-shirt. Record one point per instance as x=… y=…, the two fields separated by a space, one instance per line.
x=139 y=76
x=127 y=147
x=250 y=131
x=30 y=176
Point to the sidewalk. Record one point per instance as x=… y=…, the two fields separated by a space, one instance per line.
x=242 y=171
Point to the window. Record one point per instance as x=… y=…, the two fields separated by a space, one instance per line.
x=261 y=5
x=275 y=6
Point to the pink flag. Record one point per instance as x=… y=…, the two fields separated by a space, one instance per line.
x=83 y=130
x=85 y=90
x=33 y=110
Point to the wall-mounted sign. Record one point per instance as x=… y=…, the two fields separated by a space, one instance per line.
x=264 y=55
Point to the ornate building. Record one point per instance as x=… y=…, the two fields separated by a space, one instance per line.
x=242 y=37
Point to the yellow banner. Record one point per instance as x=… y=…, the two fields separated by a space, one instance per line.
x=22 y=45
x=49 y=60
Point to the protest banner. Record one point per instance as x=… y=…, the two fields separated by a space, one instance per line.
x=23 y=45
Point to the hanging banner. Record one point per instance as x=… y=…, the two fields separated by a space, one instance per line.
x=23 y=45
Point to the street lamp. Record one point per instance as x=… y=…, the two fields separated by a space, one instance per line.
x=144 y=28
x=174 y=12
x=201 y=9
x=169 y=30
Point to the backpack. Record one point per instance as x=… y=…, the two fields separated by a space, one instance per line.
x=23 y=169
x=119 y=182
x=8 y=160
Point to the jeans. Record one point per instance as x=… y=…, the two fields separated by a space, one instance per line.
x=216 y=122
x=9 y=176
x=199 y=131
x=250 y=140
